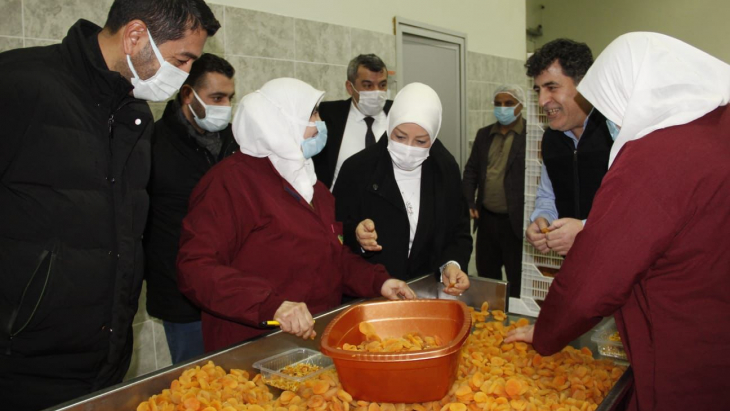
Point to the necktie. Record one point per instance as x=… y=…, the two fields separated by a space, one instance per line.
x=369 y=135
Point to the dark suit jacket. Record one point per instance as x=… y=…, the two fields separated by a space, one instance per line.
x=334 y=114
x=475 y=174
x=366 y=188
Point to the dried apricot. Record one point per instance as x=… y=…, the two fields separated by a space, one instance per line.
x=513 y=387
x=320 y=387
x=457 y=406
x=491 y=376
x=366 y=328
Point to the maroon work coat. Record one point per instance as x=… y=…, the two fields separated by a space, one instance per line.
x=250 y=242
x=654 y=252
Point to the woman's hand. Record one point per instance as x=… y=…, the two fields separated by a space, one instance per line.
x=294 y=318
x=367 y=236
x=455 y=280
x=521 y=334
x=396 y=289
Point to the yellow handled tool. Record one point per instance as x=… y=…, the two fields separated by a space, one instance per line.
x=270 y=323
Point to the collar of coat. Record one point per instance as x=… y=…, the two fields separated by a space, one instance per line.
x=84 y=58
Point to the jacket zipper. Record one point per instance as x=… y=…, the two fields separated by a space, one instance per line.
x=110 y=177
x=112 y=181
x=14 y=315
x=576 y=183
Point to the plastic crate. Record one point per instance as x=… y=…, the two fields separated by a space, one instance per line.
x=538 y=269
x=271 y=367
x=608 y=345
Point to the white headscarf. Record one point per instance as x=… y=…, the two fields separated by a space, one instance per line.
x=270 y=122
x=648 y=81
x=416 y=103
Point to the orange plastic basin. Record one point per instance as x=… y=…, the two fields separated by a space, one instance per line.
x=408 y=377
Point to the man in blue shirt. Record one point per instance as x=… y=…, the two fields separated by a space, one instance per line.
x=575 y=149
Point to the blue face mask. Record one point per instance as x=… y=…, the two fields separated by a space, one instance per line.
x=505 y=115
x=613 y=129
x=313 y=145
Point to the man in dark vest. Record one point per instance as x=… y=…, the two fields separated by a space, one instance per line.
x=192 y=136
x=575 y=149
x=357 y=122
x=74 y=165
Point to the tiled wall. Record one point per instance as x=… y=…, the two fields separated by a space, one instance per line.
x=484 y=74
x=261 y=46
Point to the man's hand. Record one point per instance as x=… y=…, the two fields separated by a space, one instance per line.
x=367 y=236
x=474 y=213
x=562 y=234
x=535 y=235
x=396 y=289
x=521 y=334
x=455 y=280
x=294 y=318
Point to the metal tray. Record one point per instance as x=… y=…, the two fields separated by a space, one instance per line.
x=127 y=395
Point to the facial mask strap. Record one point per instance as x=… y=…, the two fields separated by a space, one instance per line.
x=131 y=67
x=190 y=106
x=353 y=87
x=198 y=97
x=155 y=49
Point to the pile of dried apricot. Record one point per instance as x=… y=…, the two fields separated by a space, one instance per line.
x=409 y=342
x=295 y=370
x=300 y=370
x=493 y=376
x=209 y=388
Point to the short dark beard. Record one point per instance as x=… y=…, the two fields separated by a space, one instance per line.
x=143 y=63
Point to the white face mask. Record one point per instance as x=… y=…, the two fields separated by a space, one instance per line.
x=370 y=103
x=407 y=157
x=216 y=117
x=166 y=82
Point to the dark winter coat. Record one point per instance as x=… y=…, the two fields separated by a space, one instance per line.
x=74 y=164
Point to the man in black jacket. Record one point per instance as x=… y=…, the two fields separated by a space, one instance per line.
x=74 y=164
x=193 y=134
x=496 y=172
x=575 y=149
x=357 y=122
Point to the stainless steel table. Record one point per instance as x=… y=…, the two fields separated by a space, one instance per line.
x=127 y=395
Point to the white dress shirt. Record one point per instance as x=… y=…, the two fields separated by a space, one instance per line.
x=353 y=139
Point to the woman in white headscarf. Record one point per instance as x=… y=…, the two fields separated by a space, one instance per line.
x=655 y=253
x=400 y=200
x=260 y=240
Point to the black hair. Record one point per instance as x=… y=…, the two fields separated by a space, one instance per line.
x=165 y=19
x=575 y=59
x=208 y=63
x=369 y=61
